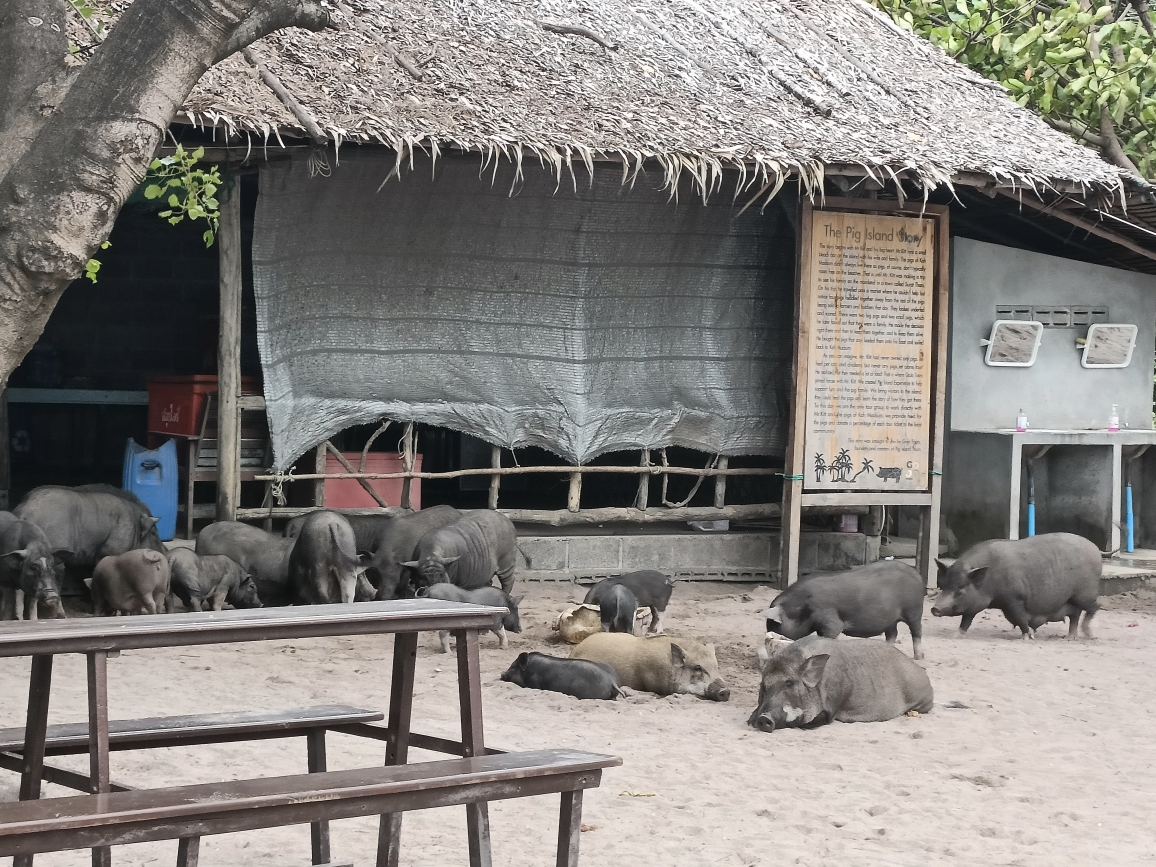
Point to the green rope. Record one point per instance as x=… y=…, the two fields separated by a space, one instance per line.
x=788 y=478
x=934 y=473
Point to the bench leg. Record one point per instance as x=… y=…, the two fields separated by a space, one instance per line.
x=35 y=731
x=98 y=738
x=473 y=743
x=569 y=828
x=318 y=831
x=188 y=851
x=397 y=747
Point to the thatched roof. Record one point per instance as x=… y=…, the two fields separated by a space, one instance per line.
x=772 y=87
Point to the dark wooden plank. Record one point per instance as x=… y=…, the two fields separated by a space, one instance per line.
x=72 y=738
x=569 y=828
x=473 y=741
x=207 y=808
x=416 y=741
x=82 y=635
x=318 y=831
x=59 y=776
x=229 y=247
x=98 y=738
x=189 y=852
x=39 y=691
x=397 y=745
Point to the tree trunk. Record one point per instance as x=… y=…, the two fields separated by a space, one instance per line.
x=86 y=153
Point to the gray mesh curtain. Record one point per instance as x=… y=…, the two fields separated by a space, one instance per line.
x=582 y=322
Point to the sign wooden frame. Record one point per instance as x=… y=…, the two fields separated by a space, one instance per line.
x=794 y=496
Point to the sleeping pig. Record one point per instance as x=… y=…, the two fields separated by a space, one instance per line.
x=863 y=602
x=659 y=665
x=580 y=678
x=816 y=680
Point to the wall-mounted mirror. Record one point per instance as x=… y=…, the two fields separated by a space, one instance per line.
x=1109 y=345
x=1013 y=343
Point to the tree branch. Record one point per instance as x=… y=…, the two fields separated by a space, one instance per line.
x=577 y=30
x=1111 y=148
x=269 y=16
x=33 y=45
x=1071 y=129
x=1141 y=7
x=303 y=115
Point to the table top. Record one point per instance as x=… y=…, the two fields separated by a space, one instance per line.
x=85 y=634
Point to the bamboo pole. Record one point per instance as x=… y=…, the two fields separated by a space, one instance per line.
x=229 y=354
x=495 y=478
x=319 y=484
x=407 y=459
x=352 y=475
x=574 y=499
x=720 y=483
x=643 y=482
x=518 y=471
x=636 y=516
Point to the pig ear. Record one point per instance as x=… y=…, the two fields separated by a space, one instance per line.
x=412 y=564
x=88 y=583
x=445 y=561
x=61 y=553
x=976 y=574
x=771 y=613
x=677 y=654
x=943 y=567
x=812 y=671
x=517 y=600
x=148 y=521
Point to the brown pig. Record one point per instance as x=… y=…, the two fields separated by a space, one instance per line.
x=135 y=582
x=660 y=665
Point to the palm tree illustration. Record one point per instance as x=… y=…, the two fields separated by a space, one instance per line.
x=868 y=467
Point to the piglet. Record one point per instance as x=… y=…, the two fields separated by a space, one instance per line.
x=481 y=596
x=135 y=582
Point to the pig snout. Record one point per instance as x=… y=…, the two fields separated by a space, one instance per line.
x=764 y=723
x=717 y=690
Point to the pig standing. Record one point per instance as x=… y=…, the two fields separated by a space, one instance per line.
x=88 y=522
x=1031 y=581
x=616 y=607
x=27 y=564
x=135 y=582
x=863 y=602
x=261 y=554
x=651 y=590
x=580 y=678
x=816 y=680
x=482 y=596
x=323 y=565
x=468 y=552
x=212 y=578
x=659 y=665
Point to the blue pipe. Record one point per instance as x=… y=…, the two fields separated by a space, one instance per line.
x=1131 y=525
x=1031 y=499
x=1032 y=519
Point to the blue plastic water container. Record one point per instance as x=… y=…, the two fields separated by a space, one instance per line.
x=152 y=476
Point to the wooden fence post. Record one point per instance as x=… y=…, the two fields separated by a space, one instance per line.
x=574 y=499
x=643 y=482
x=407 y=460
x=229 y=354
x=495 y=479
x=720 y=483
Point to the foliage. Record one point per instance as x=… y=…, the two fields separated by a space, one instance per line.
x=87 y=13
x=192 y=192
x=1063 y=59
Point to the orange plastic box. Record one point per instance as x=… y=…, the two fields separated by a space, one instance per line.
x=175 y=402
x=348 y=493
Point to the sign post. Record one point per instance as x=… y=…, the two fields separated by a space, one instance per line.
x=870 y=356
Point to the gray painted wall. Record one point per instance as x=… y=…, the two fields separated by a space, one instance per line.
x=1056 y=393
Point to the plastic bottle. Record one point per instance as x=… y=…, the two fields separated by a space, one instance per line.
x=1114 y=419
x=1021 y=422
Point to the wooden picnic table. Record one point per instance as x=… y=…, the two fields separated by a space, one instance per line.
x=103 y=637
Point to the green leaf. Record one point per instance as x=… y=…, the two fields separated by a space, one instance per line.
x=174 y=202
x=209 y=237
x=152 y=191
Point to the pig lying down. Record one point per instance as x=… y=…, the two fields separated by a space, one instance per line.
x=816 y=680
x=580 y=678
x=871 y=600
x=1032 y=581
x=509 y=622
x=660 y=665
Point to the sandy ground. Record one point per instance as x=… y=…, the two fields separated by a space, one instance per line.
x=1051 y=762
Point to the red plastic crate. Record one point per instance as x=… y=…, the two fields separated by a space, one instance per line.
x=175 y=402
x=348 y=493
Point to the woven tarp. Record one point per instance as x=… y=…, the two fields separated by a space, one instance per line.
x=581 y=321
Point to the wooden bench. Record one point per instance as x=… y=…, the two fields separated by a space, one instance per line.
x=183 y=731
x=187 y=813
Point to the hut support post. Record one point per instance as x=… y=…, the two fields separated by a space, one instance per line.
x=495 y=479
x=574 y=499
x=643 y=483
x=229 y=355
x=792 y=509
x=319 y=469
x=5 y=450
x=407 y=459
x=720 y=483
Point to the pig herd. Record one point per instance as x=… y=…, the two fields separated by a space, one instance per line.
x=808 y=678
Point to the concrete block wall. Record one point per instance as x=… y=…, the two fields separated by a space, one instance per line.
x=702 y=556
